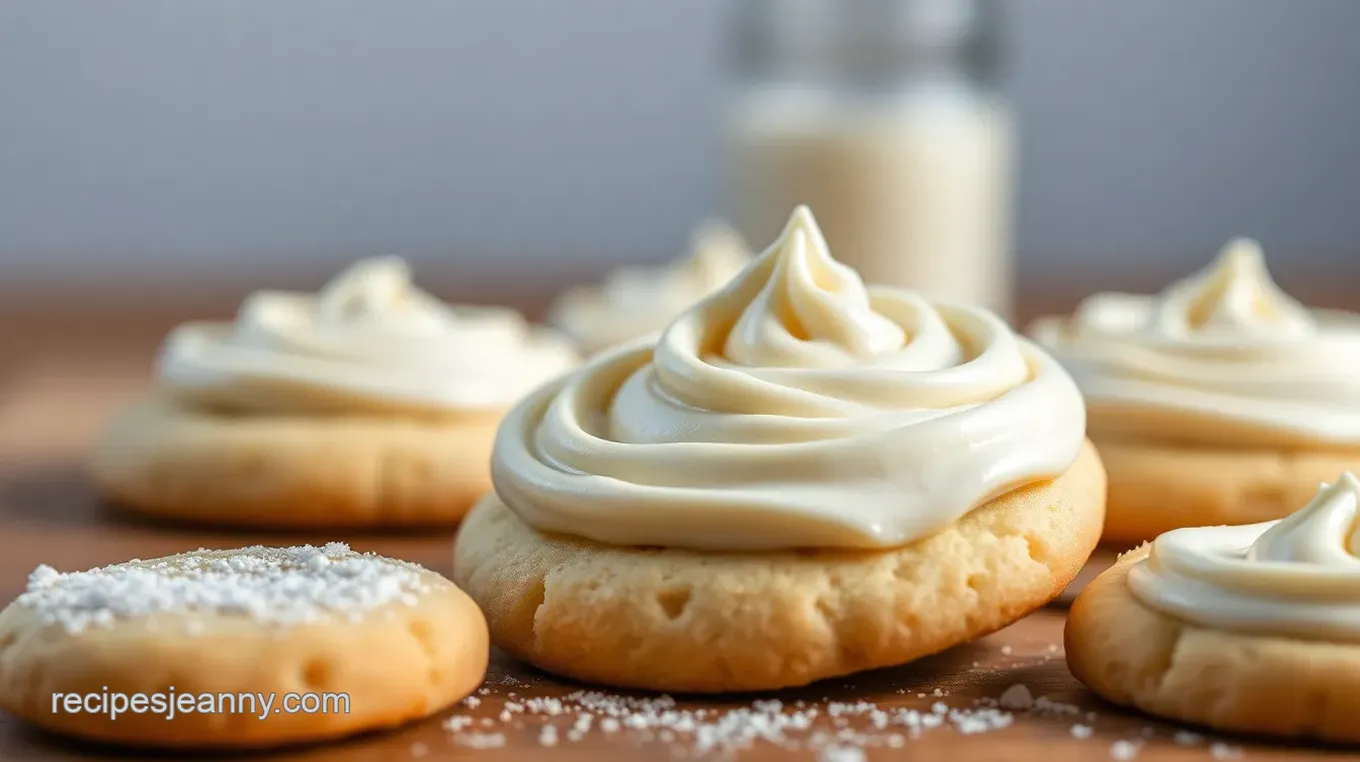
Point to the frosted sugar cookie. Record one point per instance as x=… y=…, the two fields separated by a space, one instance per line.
x=636 y=301
x=1220 y=401
x=803 y=478
x=238 y=648
x=1251 y=628
x=369 y=404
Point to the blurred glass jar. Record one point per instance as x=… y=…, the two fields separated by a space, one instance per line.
x=884 y=116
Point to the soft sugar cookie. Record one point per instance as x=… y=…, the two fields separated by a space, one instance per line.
x=1250 y=628
x=369 y=404
x=362 y=641
x=804 y=478
x=1221 y=400
x=636 y=301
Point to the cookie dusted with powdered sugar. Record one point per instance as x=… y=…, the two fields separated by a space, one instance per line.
x=295 y=629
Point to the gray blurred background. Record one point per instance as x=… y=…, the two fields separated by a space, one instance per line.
x=160 y=139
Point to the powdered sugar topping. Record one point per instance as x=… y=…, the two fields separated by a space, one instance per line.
x=277 y=586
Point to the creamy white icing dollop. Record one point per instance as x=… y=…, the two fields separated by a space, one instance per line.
x=1295 y=577
x=637 y=301
x=1223 y=357
x=793 y=408
x=370 y=341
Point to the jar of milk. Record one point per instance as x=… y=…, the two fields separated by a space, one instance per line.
x=884 y=117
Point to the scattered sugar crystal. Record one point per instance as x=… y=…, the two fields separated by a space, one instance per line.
x=457 y=723
x=271 y=585
x=480 y=740
x=1124 y=750
x=1187 y=738
x=547 y=736
x=979 y=721
x=841 y=754
x=419 y=749
x=1006 y=650
x=1219 y=750
x=1017 y=697
x=939 y=707
x=1082 y=731
x=472 y=702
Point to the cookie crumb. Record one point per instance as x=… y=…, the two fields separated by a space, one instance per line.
x=1007 y=650
x=1082 y=732
x=1017 y=697
x=419 y=749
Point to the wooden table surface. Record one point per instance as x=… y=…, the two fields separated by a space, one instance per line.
x=56 y=391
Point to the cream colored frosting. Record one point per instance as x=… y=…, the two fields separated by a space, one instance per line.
x=1296 y=577
x=1224 y=356
x=637 y=301
x=370 y=341
x=793 y=408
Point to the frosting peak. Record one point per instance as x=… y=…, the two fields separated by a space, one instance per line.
x=813 y=311
x=369 y=341
x=717 y=253
x=1323 y=533
x=636 y=301
x=792 y=408
x=1233 y=296
x=1297 y=577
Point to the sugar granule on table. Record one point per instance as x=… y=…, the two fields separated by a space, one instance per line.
x=1219 y=750
x=1082 y=732
x=1125 y=750
x=1017 y=697
x=481 y=740
x=841 y=754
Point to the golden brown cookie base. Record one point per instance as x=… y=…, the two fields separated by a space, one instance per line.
x=166 y=461
x=680 y=620
x=1156 y=487
x=1139 y=657
x=394 y=669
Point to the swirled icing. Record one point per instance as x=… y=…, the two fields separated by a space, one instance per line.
x=370 y=341
x=793 y=408
x=1295 y=577
x=1223 y=357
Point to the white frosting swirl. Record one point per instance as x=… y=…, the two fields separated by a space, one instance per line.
x=637 y=301
x=794 y=408
x=370 y=341
x=1223 y=357
x=1295 y=577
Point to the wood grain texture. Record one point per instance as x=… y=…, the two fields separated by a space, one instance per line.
x=56 y=391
